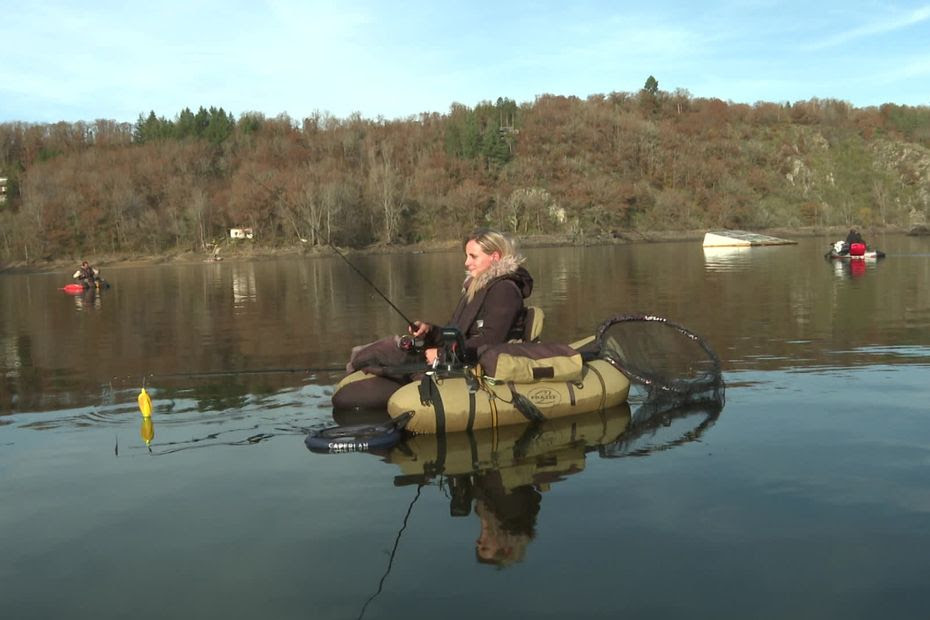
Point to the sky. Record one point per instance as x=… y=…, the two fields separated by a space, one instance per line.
x=83 y=60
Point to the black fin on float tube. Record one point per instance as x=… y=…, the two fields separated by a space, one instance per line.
x=358 y=438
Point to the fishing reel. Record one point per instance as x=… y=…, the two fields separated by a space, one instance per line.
x=453 y=360
x=409 y=344
x=452 y=348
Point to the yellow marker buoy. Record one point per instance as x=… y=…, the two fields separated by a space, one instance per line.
x=147 y=430
x=145 y=404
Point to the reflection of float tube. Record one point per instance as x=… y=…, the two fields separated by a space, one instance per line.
x=519 y=452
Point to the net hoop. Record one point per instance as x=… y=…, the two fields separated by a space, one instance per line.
x=711 y=379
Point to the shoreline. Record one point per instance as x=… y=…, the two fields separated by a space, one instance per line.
x=249 y=253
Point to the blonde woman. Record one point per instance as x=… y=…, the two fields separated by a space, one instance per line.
x=491 y=308
x=490 y=312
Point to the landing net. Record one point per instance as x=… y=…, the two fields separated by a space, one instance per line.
x=670 y=362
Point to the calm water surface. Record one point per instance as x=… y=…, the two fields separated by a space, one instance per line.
x=805 y=497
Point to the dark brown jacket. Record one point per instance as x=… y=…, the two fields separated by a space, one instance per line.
x=496 y=313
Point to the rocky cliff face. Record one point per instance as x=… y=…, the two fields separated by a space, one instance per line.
x=911 y=164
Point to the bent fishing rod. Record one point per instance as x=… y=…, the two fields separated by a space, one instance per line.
x=278 y=193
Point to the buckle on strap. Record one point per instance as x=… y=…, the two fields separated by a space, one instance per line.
x=427 y=389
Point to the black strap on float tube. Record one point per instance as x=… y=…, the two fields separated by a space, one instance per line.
x=430 y=395
x=453 y=360
x=524 y=405
x=600 y=378
x=472 y=407
x=426 y=389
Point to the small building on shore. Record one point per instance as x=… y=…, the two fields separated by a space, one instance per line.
x=240 y=233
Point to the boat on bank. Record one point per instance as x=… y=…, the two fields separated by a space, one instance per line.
x=741 y=239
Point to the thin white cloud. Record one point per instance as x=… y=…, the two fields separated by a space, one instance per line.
x=909 y=69
x=879 y=27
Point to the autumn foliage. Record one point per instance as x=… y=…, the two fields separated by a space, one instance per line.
x=611 y=163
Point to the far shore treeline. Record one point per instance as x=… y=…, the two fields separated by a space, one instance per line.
x=605 y=165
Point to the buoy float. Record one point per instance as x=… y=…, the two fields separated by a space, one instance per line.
x=147 y=430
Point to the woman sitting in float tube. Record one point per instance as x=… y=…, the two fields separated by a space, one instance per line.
x=490 y=311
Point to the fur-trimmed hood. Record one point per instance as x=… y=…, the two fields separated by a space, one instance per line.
x=510 y=267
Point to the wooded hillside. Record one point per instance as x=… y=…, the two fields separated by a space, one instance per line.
x=610 y=163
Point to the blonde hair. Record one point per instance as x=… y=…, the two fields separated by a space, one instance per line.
x=490 y=241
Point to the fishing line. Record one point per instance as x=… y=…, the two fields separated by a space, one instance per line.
x=393 y=553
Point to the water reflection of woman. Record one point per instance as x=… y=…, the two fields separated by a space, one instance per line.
x=502 y=473
x=508 y=520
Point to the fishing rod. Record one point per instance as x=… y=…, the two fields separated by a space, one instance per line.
x=278 y=193
x=372 y=285
x=395 y=368
x=257 y=371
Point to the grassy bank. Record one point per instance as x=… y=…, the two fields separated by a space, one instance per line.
x=245 y=250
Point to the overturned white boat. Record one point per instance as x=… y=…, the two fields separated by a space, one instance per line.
x=741 y=238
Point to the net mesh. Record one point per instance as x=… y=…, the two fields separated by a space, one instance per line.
x=655 y=428
x=670 y=362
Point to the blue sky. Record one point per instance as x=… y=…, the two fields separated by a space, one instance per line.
x=84 y=60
